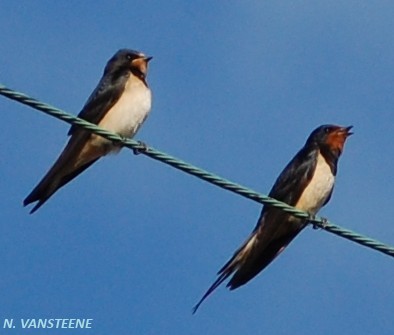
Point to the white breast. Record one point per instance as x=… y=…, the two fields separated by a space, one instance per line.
x=130 y=111
x=318 y=189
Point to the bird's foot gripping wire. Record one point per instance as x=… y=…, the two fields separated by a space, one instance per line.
x=317 y=224
x=142 y=147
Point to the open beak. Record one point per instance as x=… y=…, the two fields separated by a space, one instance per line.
x=345 y=131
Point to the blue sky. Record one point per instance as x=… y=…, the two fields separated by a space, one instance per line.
x=237 y=87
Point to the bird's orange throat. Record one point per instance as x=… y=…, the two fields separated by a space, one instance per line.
x=336 y=141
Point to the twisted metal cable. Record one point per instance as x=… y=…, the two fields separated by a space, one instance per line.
x=139 y=147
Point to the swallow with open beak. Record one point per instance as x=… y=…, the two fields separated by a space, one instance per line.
x=306 y=183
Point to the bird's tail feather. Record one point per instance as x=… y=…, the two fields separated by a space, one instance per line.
x=76 y=157
x=263 y=253
x=213 y=287
x=52 y=181
x=229 y=268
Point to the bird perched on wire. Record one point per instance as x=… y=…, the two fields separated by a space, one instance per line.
x=120 y=103
x=306 y=183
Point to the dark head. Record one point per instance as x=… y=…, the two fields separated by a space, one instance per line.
x=128 y=60
x=330 y=137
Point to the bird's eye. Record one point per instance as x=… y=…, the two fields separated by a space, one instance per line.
x=327 y=130
x=128 y=57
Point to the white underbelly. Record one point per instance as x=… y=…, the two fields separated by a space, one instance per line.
x=318 y=189
x=128 y=113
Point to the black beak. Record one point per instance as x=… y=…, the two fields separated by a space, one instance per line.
x=347 y=130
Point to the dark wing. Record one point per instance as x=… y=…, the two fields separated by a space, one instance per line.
x=105 y=95
x=273 y=232
x=292 y=181
x=275 y=228
x=295 y=177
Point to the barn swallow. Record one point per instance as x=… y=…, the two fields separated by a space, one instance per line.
x=120 y=103
x=306 y=183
